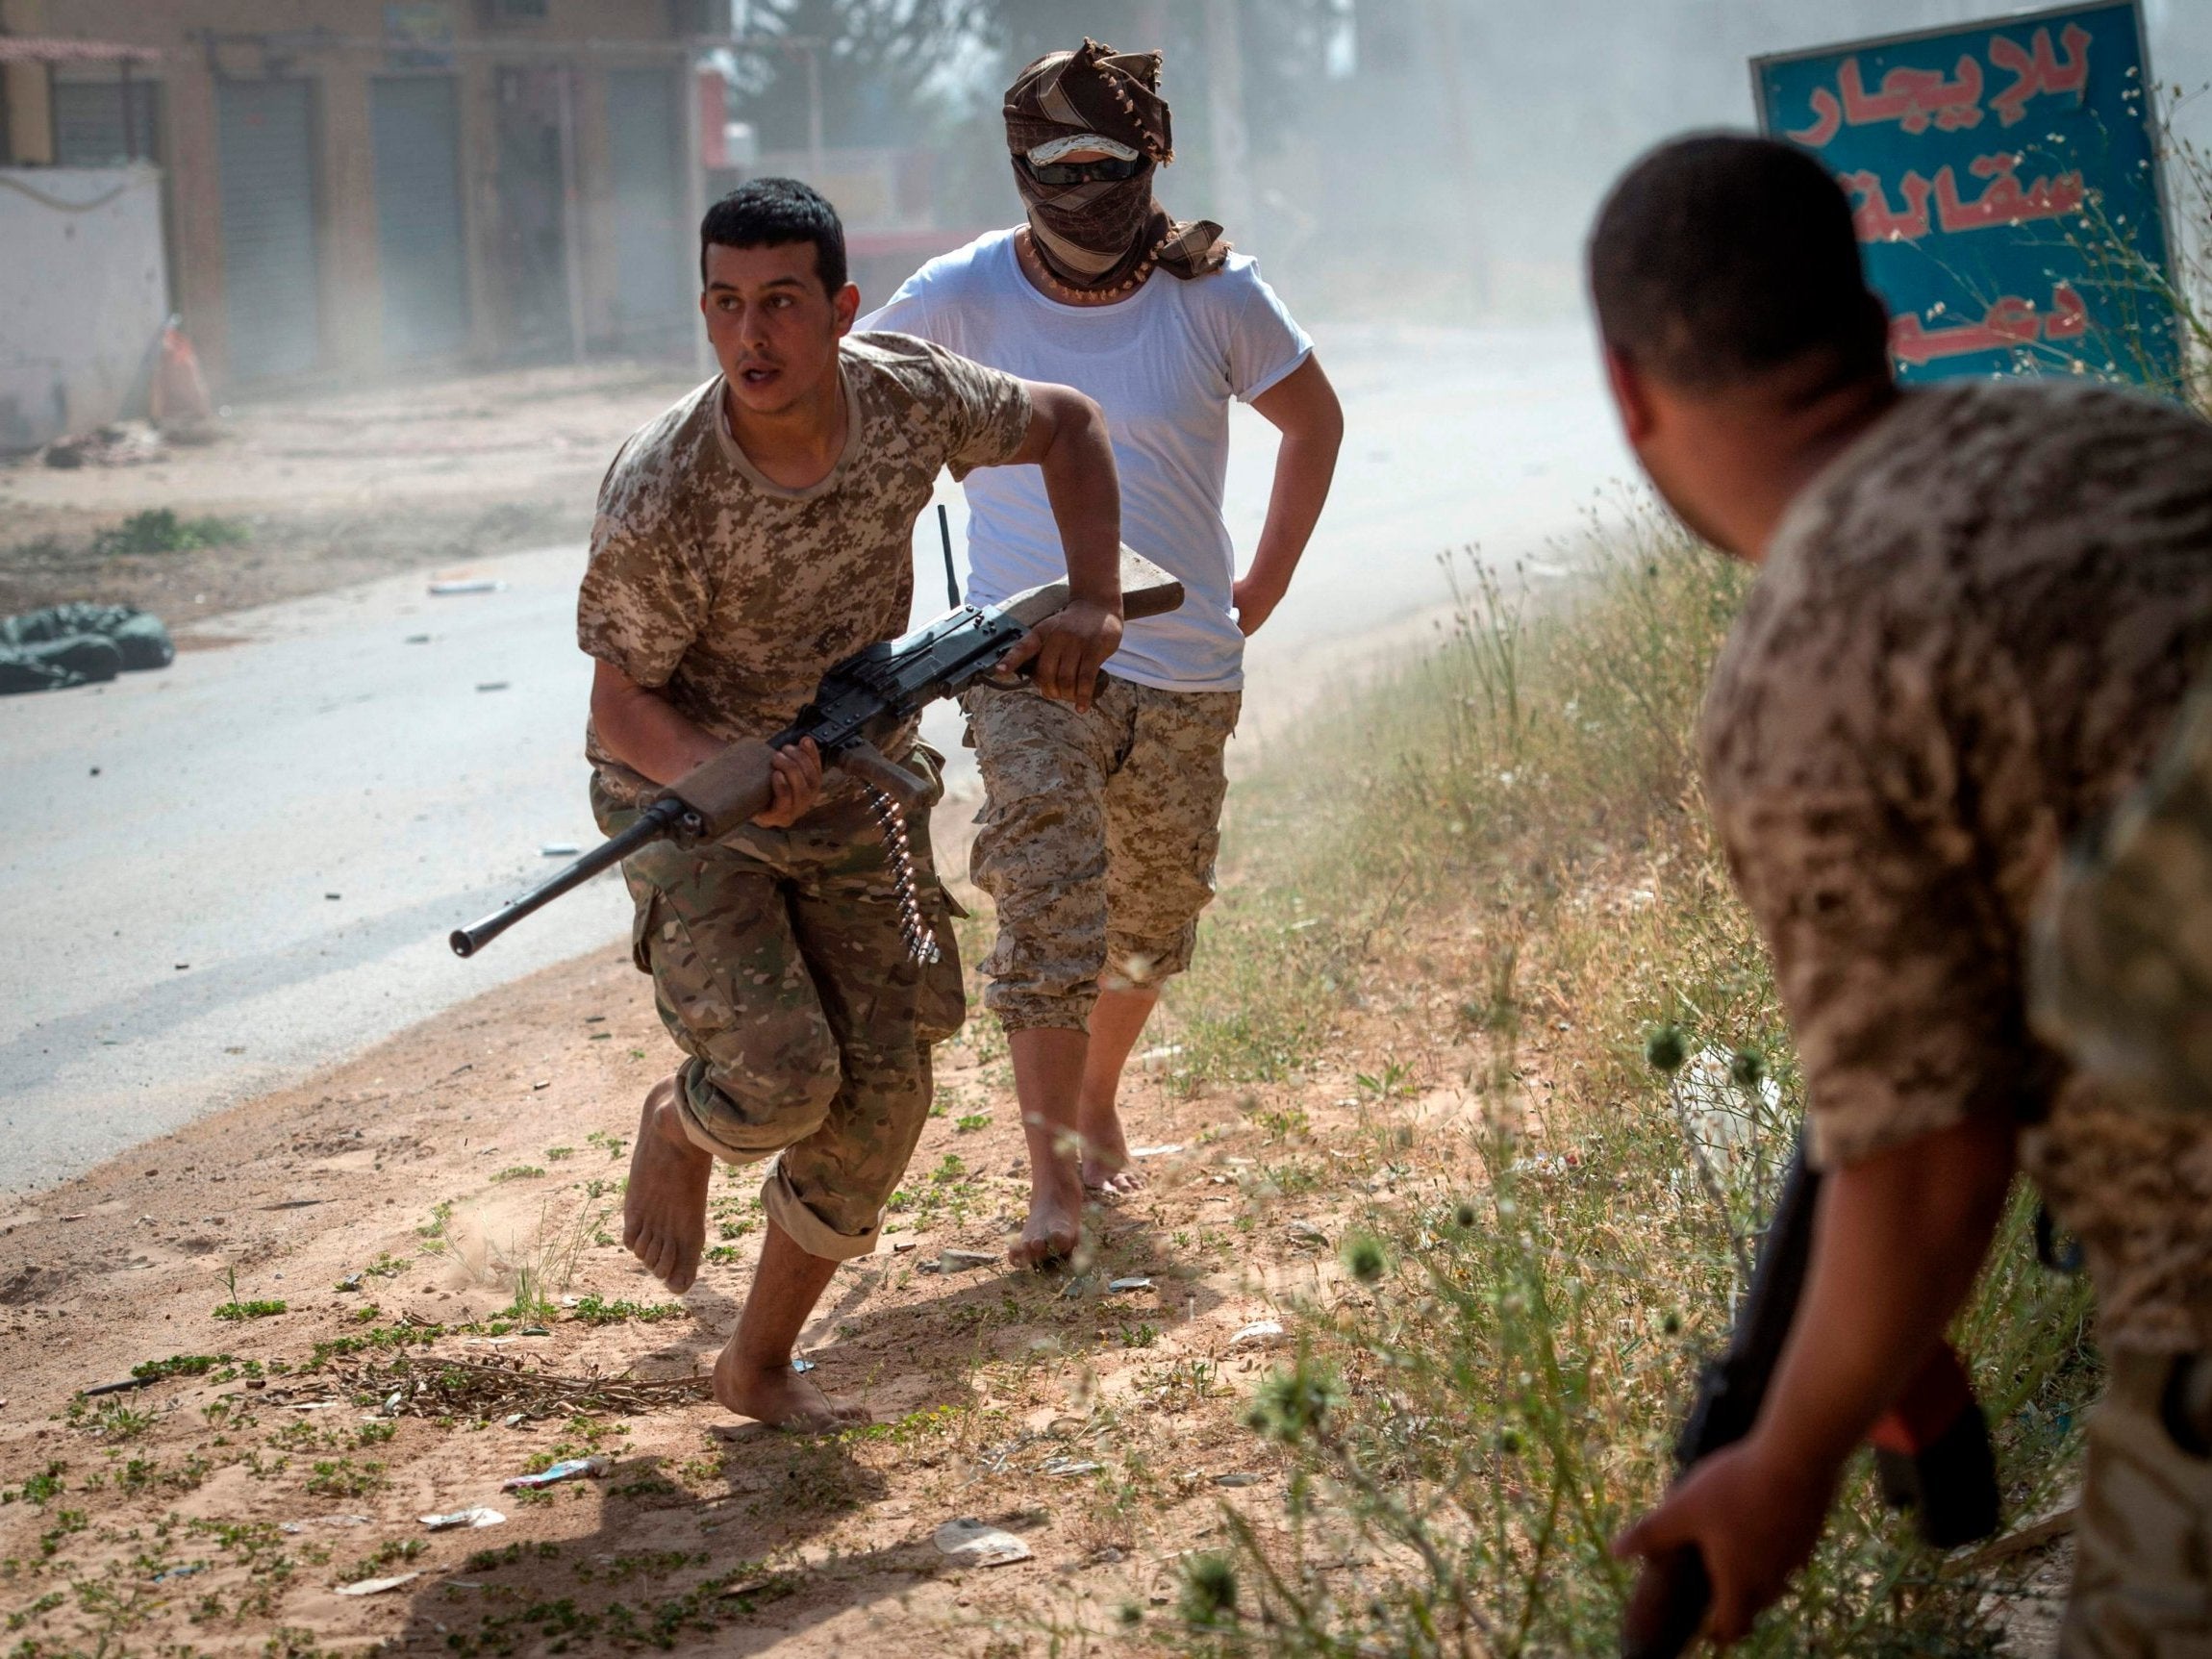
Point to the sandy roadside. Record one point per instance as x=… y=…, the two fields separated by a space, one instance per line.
x=1100 y=1425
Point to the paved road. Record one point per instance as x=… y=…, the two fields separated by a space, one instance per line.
x=223 y=875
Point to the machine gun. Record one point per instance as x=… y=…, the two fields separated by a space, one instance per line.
x=861 y=702
x=1932 y=1449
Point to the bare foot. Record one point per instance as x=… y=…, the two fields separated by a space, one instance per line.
x=1055 y=1224
x=779 y=1396
x=664 y=1208
x=1106 y=1167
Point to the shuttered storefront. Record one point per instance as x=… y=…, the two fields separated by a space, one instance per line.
x=104 y=123
x=420 y=264
x=264 y=134
x=653 y=309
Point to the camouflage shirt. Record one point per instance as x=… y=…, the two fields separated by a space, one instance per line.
x=730 y=594
x=1971 y=631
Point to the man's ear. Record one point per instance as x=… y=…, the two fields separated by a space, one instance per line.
x=846 y=303
x=1631 y=395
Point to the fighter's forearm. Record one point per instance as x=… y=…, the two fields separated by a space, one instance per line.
x=1897 y=1242
x=1305 y=463
x=643 y=730
x=1085 y=491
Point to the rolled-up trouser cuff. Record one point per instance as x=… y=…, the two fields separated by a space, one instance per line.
x=808 y=1230
x=1022 y=1012
x=692 y=1080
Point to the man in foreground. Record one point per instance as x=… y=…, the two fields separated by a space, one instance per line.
x=753 y=535
x=1101 y=817
x=1977 y=610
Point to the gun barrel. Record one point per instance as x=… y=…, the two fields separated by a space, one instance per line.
x=654 y=822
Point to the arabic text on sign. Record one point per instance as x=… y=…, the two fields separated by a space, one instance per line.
x=1917 y=99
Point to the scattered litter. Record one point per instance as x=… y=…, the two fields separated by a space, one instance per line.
x=749 y=1587
x=1238 y=1479
x=570 y=1302
x=293 y=1204
x=178 y=1572
x=330 y=895
x=559 y=849
x=1258 y=1334
x=492 y=685
x=1154 y=1056
x=470 y=584
x=78 y=1216
x=313 y=1404
x=351 y=1282
x=1078 y=1286
x=901 y=1247
x=290 y=1526
x=419 y=639
x=801 y=1365
x=1068 y=1466
x=124 y=1387
x=542 y=1083
x=569 y=1469
x=1130 y=1285
x=971 y=1541
x=2044 y=1529
x=477 y=1516
x=1155 y=1151
x=1305 y=1232
x=536 y=1331
x=515 y=1419
x=377 y=1586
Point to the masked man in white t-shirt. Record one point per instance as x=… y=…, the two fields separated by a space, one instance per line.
x=1101 y=817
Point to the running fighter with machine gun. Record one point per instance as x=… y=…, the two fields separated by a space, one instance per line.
x=860 y=702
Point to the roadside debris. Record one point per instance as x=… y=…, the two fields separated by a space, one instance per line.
x=1156 y=1151
x=559 y=849
x=1259 y=1334
x=64 y=645
x=567 y=1469
x=465 y=585
x=124 y=1387
x=377 y=1586
x=971 y=1541
x=1130 y=1285
x=1067 y=1466
x=478 y=1516
x=1238 y=1480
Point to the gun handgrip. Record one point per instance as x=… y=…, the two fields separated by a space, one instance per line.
x=1667 y=1607
x=725 y=792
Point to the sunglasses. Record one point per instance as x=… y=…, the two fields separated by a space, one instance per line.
x=1056 y=173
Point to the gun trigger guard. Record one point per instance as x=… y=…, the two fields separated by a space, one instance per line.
x=863 y=761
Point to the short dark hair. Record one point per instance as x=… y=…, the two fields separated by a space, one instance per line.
x=1719 y=258
x=771 y=213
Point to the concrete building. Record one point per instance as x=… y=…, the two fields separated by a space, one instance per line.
x=372 y=187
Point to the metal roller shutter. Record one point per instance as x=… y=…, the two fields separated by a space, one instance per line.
x=644 y=133
x=415 y=125
x=94 y=129
x=264 y=143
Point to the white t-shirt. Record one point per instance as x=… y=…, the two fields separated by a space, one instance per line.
x=1163 y=364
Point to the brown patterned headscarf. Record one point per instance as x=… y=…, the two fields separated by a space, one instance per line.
x=1107 y=233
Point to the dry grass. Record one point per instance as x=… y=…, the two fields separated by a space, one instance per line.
x=1509 y=841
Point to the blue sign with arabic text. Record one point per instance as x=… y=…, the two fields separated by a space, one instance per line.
x=2004 y=180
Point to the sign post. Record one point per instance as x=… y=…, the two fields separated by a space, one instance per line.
x=2004 y=178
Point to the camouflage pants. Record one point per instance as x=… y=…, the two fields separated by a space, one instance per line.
x=1097 y=840
x=2143 y=1543
x=780 y=972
